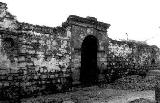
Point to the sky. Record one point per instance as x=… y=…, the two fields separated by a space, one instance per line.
x=140 y=19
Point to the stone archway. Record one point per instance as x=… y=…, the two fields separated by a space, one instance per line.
x=89 y=70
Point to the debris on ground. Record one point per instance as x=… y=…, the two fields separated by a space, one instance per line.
x=135 y=82
x=102 y=94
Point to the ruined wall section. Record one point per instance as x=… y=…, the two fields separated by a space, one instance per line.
x=32 y=52
x=38 y=49
x=44 y=52
x=128 y=57
x=139 y=53
x=36 y=46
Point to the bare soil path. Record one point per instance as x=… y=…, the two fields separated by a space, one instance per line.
x=94 y=94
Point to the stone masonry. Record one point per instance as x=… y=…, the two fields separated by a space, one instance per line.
x=37 y=50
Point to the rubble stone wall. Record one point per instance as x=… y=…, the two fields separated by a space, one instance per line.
x=35 y=49
x=128 y=57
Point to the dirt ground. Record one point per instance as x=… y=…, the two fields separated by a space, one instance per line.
x=124 y=90
x=94 y=95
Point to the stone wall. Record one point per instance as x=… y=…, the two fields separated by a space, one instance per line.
x=82 y=28
x=114 y=58
x=32 y=54
x=35 y=50
x=129 y=58
x=52 y=51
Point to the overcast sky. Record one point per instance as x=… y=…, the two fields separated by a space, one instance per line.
x=140 y=19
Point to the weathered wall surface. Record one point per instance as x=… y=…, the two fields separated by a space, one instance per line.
x=52 y=51
x=7 y=21
x=82 y=28
x=39 y=58
x=33 y=52
x=118 y=58
x=36 y=49
x=34 y=46
x=8 y=52
x=128 y=57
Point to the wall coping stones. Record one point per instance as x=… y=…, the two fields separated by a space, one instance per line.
x=87 y=22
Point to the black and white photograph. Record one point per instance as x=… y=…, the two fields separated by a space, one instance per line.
x=79 y=51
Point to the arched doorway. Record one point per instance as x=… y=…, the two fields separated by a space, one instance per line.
x=89 y=71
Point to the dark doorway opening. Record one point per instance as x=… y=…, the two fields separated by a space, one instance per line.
x=89 y=70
